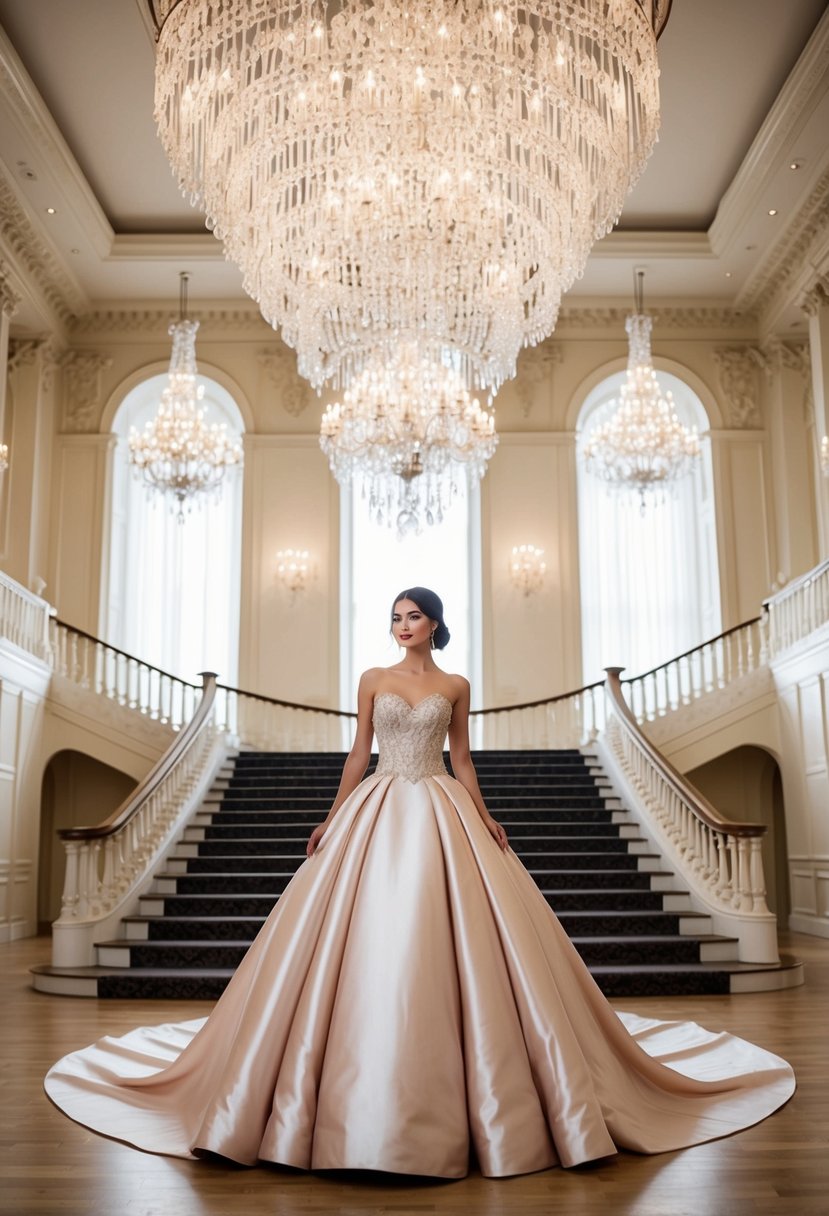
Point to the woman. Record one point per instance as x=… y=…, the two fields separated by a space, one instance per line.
x=412 y=1000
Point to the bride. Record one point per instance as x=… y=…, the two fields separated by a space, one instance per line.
x=412 y=1002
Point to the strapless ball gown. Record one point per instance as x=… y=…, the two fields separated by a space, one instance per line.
x=412 y=997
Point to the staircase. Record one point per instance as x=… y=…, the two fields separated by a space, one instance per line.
x=637 y=935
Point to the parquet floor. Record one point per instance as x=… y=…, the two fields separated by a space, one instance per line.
x=51 y=1165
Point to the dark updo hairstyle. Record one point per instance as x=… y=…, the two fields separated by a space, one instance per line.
x=430 y=605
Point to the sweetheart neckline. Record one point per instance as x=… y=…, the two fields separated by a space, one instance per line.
x=428 y=697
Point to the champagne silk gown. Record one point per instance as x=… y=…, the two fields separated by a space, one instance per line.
x=412 y=997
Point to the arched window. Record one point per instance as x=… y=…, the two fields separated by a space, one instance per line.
x=376 y=564
x=649 y=580
x=174 y=588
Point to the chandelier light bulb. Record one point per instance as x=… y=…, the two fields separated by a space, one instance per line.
x=293 y=569
x=434 y=172
x=824 y=455
x=4 y=457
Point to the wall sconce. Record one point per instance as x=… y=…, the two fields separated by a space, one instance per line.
x=527 y=568
x=4 y=457
x=293 y=569
x=824 y=455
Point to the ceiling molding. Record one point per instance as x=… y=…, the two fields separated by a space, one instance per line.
x=806 y=82
x=653 y=244
x=166 y=247
x=694 y=316
x=778 y=274
x=36 y=262
x=18 y=92
x=154 y=320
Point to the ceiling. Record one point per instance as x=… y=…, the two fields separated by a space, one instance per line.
x=744 y=95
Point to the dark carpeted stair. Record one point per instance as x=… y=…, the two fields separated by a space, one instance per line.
x=637 y=936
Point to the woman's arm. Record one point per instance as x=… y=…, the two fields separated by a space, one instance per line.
x=462 y=765
x=356 y=761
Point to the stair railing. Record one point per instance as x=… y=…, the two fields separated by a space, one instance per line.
x=106 y=864
x=799 y=609
x=266 y=723
x=571 y=719
x=24 y=618
x=112 y=673
x=721 y=860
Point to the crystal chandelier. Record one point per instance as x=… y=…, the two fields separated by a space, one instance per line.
x=433 y=171
x=4 y=457
x=406 y=432
x=643 y=446
x=178 y=453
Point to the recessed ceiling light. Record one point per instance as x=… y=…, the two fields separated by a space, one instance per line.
x=51 y=210
x=772 y=211
x=728 y=274
x=795 y=164
x=74 y=250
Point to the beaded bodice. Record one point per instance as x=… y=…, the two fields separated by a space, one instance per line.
x=411 y=738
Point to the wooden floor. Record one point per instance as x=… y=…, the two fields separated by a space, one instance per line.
x=51 y=1165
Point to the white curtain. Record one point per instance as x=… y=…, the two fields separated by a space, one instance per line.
x=377 y=565
x=649 y=582
x=174 y=588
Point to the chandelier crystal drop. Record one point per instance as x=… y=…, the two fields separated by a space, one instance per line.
x=433 y=171
x=643 y=446
x=178 y=454
x=406 y=433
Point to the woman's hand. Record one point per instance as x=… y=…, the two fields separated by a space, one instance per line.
x=314 y=839
x=496 y=832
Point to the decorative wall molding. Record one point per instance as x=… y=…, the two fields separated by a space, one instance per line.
x=280 y=368
x=693 y=317
x=785 y=356
x=155 y=322
x=23 y=352
x=9 y=298
x=737 y=369
x=535 y=368
x=815 y=298
x=82 y=389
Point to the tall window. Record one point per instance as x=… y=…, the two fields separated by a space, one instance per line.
x=173 y=588
x=649 y=581
x=377 y=565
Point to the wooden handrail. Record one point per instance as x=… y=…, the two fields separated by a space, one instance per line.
x=697 y=802
x=562 y=696
x=121 y=816
x=686 y=654
x=90 y=637
x=258 y=696
x=802 y=580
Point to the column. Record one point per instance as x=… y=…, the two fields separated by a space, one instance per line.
x=816 y=305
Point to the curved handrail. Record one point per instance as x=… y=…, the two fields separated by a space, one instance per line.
x=90 y=637
x=796 y=584
x=686 y=654
x=258 y=696
x=562 y=696
x=697 y=802
x=131 y=805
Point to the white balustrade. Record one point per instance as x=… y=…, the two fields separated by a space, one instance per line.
x=24 y=618
x=799 y=609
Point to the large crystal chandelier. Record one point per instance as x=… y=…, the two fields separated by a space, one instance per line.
x=406 y=433
x=433 y=171
x=178 y=454
x=643 y=446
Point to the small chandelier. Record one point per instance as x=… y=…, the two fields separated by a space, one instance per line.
x=293 y=569
x=4 y=457
x=407 y=432
x=643 y=446
x=435 y=171
x=178 y=453
x=824 y=455
x=527 y=568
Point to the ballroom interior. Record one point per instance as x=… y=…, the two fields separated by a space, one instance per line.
x=277 y=583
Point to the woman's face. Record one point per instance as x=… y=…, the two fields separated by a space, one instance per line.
x=410 y=627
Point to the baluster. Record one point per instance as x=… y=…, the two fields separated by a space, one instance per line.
x=71 y=894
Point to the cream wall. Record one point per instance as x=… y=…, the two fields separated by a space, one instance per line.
x=63 y=397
